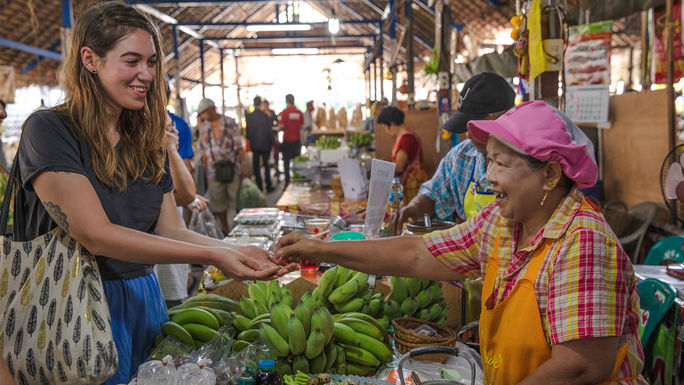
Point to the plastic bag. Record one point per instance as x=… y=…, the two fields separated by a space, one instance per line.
x=157 y=372
x=250 y=195
x=203 y=222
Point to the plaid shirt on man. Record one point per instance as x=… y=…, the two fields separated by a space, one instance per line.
x=448 y=186
x=586 y=285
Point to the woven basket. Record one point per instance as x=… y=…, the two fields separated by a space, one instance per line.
x=405 y=339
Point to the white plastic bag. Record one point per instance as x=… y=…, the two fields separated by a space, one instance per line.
x=203 y=222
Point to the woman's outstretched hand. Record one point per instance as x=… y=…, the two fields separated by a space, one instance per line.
x=250 y=262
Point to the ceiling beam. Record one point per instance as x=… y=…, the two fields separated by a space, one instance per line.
x=170 y=20
x=286 y=39
x=246 y=24
x=31 y=49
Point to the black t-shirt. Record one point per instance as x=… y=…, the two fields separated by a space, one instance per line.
x=49 y=144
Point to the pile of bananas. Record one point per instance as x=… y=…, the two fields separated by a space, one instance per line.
x=197 y=320
x=328 y=143
x=358 y=139
x=343 y=290
x=413 y=297
x=364 y=344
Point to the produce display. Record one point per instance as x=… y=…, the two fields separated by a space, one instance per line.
x=341 y=116
x=358 y=139
x=328 y=143
x=306 y=336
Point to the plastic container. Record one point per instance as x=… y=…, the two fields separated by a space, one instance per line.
x=396 y=198
x=267 y=374
x=348 y=236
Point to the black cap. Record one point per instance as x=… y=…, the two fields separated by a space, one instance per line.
x=482 y=95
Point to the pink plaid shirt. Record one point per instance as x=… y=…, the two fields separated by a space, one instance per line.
x=586 y=285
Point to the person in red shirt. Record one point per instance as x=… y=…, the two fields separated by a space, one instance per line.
x=291 y=122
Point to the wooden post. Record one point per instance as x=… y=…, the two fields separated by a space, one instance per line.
x=409 y=59
x=223 y=93
x=670 y=76
x=643 y=68
x=443 y=37
x=237 y=89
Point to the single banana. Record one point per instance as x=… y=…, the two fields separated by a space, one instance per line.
x=176 y=331
x=345 y=334
x=409 y=306
x=435 y=312
x=196 y=315
x=436 y=292
x=341 y=368
x=330 y=356
x=317 y=364
x=341 y=355
x=283 y=367
x=255 y=293
x=352 y=305
x=361 y=356
x=304 y=316
x=300 y=364
x=392 y=309
x=399 y=289
x=223 y=317
x=343 y=274
x=384 y=322
x=308 y=301
x=296 y=335
x=374 y=307
x=254 y=324
x=365 y=327
x=413 y=285
x=248 y=335
x=241 y=322
x=274 y=286
x=327 y=282
x=327 y=323
x=273 y=340
x=377 y=347
x=424 y=283
x=424 y=297
x=359 y=370
x=314 y=344
x=286 y=296
x=260 y=309
x=423 y=314
x=200 y=332
x=238 y=345
x=273 y=299
x=247 y=307
x=349 y=289
x=366 y=318
x=280 y=316
x=317 y=321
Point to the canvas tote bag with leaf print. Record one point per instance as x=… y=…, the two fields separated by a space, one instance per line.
x=55 y=325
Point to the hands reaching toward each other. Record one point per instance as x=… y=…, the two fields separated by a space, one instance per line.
x=248 y=262
x=295 y=246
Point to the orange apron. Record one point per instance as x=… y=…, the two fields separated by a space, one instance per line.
x=512 y=340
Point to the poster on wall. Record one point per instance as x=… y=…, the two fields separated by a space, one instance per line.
x=659 y=44
x=587 y=58
x=7 y=84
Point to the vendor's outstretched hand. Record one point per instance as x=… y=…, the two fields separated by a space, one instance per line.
x=295 y=246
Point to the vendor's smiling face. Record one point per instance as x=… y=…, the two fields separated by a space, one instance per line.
x=518 y=187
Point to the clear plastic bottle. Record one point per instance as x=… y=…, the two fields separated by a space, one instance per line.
x=267 y=374
x=396 y=196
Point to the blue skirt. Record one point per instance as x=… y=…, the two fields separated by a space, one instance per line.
x=137 y=311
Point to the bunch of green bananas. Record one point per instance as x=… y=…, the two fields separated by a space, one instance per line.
x=358 y=139
x=364 y=343
x=327 y=142
x=194 y=326
x=413 y=297
x=343 y=290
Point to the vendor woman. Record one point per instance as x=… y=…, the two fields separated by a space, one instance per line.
x=559 y=304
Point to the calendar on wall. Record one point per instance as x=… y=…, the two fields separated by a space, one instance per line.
x=587 y=104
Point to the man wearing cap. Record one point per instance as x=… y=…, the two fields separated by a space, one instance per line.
x=559 y=302
x=459 y=188
x=220 y=141
x=261 y=140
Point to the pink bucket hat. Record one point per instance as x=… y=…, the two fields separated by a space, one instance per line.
x=543 y=132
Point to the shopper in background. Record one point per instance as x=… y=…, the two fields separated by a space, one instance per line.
x=291 y=121
x=406 y=153
x=261 y=140
x=220 y=141
x=276 y=141
x=369 y=124
x=184 y=136
x=459 y=188
x=96 y=167
x=559 y=303
x=3 y=115
x=307 y=129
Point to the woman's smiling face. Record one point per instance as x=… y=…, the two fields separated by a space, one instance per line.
x=518 y=187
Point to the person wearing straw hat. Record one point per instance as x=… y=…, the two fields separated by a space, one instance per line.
x=559 y=303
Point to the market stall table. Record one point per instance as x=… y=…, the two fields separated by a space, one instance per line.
x=301 y=198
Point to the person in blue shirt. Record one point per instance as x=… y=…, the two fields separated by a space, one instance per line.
x=184 y=136
x=459 y=188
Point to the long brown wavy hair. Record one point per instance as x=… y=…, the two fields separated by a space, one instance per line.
x=142 y=131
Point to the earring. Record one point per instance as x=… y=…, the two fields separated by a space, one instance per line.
x=94 y=70
x=546 y=193
x=552 y=185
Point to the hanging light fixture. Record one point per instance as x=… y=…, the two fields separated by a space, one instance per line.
x=334 y=23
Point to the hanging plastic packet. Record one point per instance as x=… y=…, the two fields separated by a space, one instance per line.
x=207 y=376
x=157 y=372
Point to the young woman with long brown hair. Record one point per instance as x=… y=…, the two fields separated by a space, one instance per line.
x=96 y=167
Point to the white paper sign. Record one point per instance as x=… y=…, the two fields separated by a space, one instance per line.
x=382 y=175
x=353 y=179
